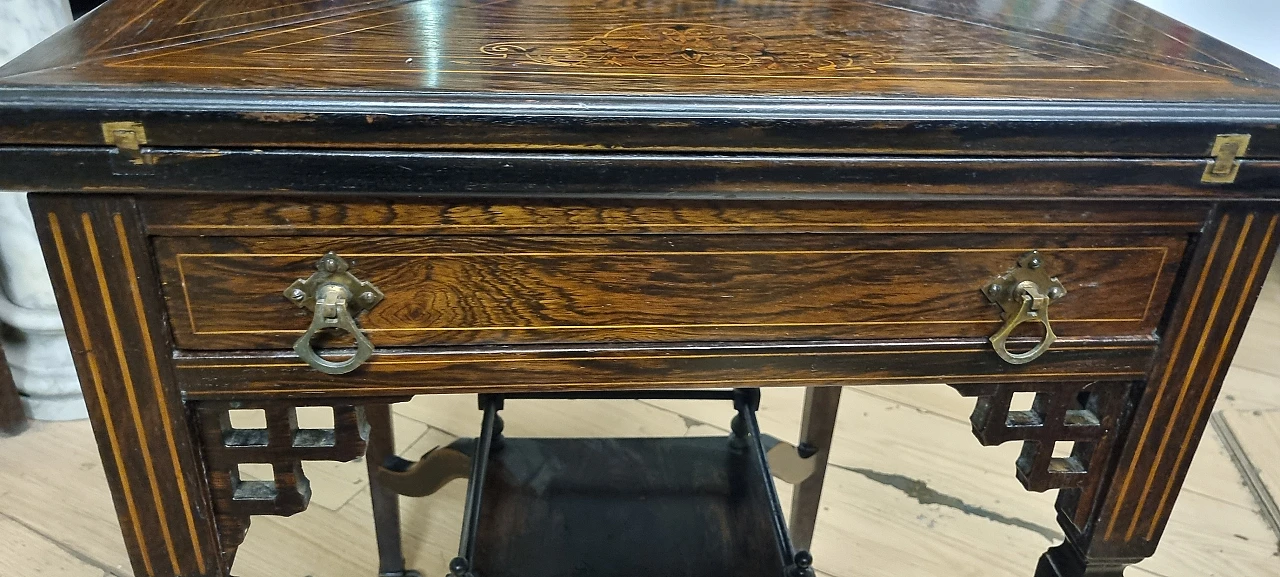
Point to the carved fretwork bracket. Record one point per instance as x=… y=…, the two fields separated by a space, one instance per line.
x=1085 y=414
x=283 y=446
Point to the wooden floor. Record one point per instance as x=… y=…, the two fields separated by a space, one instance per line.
x=909 y=492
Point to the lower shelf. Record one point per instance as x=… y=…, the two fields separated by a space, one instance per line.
x=624 y=507
x=609 y=507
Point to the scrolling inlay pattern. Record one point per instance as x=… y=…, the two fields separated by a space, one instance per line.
x=913 y=46
x=688 y=44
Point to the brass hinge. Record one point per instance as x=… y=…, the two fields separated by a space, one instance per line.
x=1225 y=165
x=128 y=138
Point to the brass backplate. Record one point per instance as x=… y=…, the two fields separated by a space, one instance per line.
x=1002 y=290
x=333 y=269
x=1225 y=165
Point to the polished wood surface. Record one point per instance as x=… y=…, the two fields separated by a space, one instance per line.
x=193 y=215
x=1204 y=330
x=96 y=254
x=590 y=366
x=226 y=293
x=562 y=195
x=1078 y=49
x=593 y=76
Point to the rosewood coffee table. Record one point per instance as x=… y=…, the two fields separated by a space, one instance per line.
x=258 y=205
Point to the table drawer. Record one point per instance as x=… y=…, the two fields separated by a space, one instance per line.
x=228 y=292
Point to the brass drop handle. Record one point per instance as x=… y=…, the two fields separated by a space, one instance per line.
x=1025 y=293
x=337 y=298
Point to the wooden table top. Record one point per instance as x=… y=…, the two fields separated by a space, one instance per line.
x=635 y=74
x=1071 y=49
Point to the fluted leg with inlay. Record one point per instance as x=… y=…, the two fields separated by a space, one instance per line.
x=110 y=302
x=1122 y=523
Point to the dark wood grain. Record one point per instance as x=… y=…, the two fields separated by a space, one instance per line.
x=1130 y=514
x=226 y=293
x=780 y=47
x=283 y=446
x=963 y=77
x=397 y=216
x=178 y=120
x=1087 y=414
x=13 y=419
x=110 y=303
x=572 y=195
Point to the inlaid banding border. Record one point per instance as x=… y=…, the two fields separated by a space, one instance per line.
x=181 y=258
x=162 y=229
x=131 y=394
x=95 y=375
x=157 y=384
x=1157 y=482
x=139 y=410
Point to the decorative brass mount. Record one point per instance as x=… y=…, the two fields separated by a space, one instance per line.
x=1225 y=166
x=337 y=297
x=128 y=138
x=1024 y=293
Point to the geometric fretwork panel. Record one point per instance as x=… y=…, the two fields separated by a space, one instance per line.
x=1085 y=414
x=282 y=446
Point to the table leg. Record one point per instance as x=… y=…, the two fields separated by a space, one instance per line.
x=816 y=428
x=110 y=302
x=12 y=419
x=386 y=503
x=1123 y=522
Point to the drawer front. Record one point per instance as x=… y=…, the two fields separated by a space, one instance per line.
x=227 y=292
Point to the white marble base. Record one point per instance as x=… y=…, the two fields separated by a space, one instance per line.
x=33 y=340
x=24 y=23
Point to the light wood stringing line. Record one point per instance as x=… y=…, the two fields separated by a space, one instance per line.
x=1164 y=380
x=191 y=318
x=234 y=38
x=858 y=79
x=209 y=395
x=743 y=225
x=376 y=361
x=1190 y=372
x=1213 y=375
x=96 y=376
x=130 y=394
x=166 y=420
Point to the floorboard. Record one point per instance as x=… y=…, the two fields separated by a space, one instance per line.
x=910 y=492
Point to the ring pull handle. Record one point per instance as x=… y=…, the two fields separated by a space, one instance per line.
x=337 y=298
x=1024 y=293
